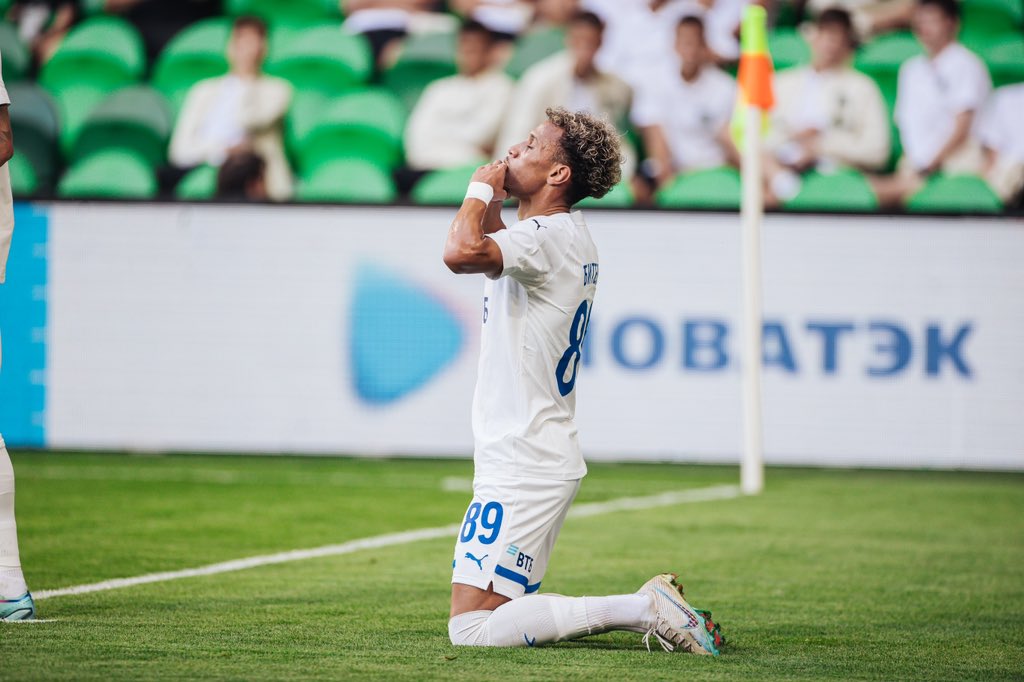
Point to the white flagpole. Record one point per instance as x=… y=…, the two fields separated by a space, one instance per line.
x=751 y=214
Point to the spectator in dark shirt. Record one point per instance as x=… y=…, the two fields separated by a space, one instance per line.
x=242 y=177
x=42 y=24
x=159 y=20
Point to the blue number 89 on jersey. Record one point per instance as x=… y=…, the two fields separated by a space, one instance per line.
x=574 y=353
x=488 y=516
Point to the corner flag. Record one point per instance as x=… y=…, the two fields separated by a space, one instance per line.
x=754 y=99
x=755 y=73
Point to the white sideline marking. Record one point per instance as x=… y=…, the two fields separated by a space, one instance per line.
x=721 y=492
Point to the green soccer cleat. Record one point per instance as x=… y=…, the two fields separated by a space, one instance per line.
x=21 y=608
x=679 y=626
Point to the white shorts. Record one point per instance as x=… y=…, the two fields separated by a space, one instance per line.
x=508 y=533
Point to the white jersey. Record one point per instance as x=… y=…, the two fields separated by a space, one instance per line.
x=535 y=317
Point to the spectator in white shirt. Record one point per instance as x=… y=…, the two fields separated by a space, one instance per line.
x=937 y=98
x=456 y=120
x=870 y=17
x=1002 y=139
x=826 y=114
x=569 y=79
x=685 y=124
x=243 y=110
x=638 y=39
x=506 y=18
x=384 y=23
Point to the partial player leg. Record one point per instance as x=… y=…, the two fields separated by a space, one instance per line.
x=547 y=618
x=658 y=609
x=15 y=601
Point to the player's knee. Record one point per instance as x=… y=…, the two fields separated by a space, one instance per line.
x=469 y=629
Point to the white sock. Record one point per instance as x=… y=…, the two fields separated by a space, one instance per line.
x=12 y=580
x=546 y=618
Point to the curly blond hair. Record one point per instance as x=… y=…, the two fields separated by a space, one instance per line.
x=590 y=147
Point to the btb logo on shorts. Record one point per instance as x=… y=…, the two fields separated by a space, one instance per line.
x=523 y=561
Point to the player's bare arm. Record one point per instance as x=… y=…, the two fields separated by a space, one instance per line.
x=6 y=137
x=467 y=250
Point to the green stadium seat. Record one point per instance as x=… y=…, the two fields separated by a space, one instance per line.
x=16 y=58
x=846 y=190
x=104 y=52
x=533 y=47
x=423 y=58
x=286 y=12
x=715 y=188
x=74 y=104
x=620 y=196
x=34 y=124
x=112 y=174
x=445 y=187
x=365 y=125
x=90 y=7
x=135 y=118
x=348 y=181
x=1005 y=59
x=882 y=57
x=788 y=48
x=955 y=194
x=323 y=59
x=199 y=185
x=194 y=54
x=986 y=19
x=24 y=181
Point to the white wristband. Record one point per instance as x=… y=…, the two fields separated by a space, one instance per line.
x=481 y=191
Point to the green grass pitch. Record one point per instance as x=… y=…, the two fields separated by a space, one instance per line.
x=827 y=575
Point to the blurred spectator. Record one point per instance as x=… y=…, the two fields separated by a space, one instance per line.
x=242 y=177
x=42 y=24
x=568 y=79
x=506 y=18
x=722 y=26
x=870 y=17
x=456 y=120
x=555 y=12
x=685 y=124
x=826 y=114
x=937 y=97
x=385 y=22
x=242 y=110
x=159 y=20
x=638 y=40
x=1002 y=139
x=641 y=35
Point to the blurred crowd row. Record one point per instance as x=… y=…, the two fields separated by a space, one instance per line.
x=879 y=103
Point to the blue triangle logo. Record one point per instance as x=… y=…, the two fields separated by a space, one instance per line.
x=401 y=336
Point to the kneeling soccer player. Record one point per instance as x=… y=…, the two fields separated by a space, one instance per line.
x=15 y=601
x=542 y=274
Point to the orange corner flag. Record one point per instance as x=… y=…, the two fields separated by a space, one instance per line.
x=755 y=74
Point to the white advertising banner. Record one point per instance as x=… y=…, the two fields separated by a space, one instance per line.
x=888 y=342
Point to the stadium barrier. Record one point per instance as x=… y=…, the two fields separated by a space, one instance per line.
x=889 y=342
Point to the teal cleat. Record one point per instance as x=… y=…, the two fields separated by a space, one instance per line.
x=679 y=626
x=21 y=608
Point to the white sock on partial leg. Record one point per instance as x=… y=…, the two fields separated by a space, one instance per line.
x=547 y=618
x=12 y=580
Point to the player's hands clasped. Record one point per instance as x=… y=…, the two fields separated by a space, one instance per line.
x=494 y=175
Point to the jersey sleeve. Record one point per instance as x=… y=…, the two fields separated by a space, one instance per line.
x=528 y=253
